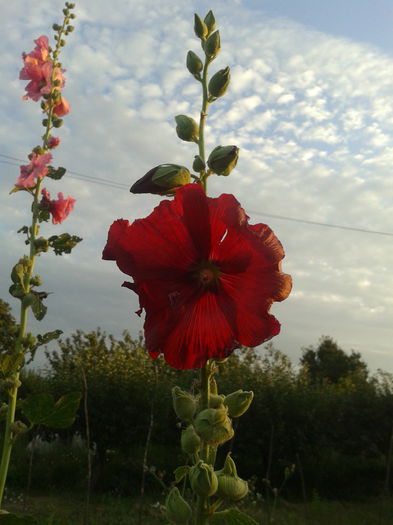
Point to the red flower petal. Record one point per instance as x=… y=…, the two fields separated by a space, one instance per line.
x=205 y=278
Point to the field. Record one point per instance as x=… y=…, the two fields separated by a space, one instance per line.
x=68 y=509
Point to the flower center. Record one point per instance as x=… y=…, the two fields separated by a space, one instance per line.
x=207 y=274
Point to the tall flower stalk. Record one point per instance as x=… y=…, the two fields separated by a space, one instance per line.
x=45 y=74
x=206 y=280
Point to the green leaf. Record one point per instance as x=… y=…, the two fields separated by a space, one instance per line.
x=41 y=409
x=48 y=336
x=63 y=243
x=181 y=472
x=37 y=306
x=17 y=291
x=13 y=519
x=231 y=517
x=56 y=174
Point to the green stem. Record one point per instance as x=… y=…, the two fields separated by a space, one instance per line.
x=202 y=501
x=202 y=119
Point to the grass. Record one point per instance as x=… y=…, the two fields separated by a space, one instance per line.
x=68 y=509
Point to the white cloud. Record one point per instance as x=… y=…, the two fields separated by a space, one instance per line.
x=313 y=115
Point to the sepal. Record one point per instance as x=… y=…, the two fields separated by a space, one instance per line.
x=238 y=402
x=184 y=404
x=223 y=159
x=178 y=511
x=203 y=479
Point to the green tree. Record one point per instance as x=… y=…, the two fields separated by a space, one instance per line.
x=329 y=362
x=8 y=328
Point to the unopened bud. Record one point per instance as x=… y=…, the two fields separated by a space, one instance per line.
x=178 y=511
x=194 y=64
x=238 y=402
x=219 y=82
x=223 y=159
x=212 y=45
x=216 y=401
x=198 y=165
x=184 y=404
x=230 y=486
x=214 y=426
x=41 y=245
x=210 y=21
x=190 y=441
x=186 y=128
x=162 y=180
x=200 y=27
x=203 y=479
x=57 y=123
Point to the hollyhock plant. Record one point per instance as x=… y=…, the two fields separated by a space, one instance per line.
x=36 y=169
x=43 y=69
x=59 y=208
x=206 y=280
x=211 y=288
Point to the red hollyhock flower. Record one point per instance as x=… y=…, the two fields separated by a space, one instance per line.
x=205 y=277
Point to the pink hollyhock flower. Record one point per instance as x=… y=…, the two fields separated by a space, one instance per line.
x=60 y=208
x=41 y=51
x=205 y=277
x=62 y=107
x=36 y=169
x=53 y=142
x=40 y=75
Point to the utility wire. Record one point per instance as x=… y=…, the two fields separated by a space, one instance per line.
x=121 y=185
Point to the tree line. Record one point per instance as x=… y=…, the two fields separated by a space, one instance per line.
x=322 y=427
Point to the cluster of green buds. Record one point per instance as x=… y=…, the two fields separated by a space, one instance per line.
x=205 y=428
x=165 y=179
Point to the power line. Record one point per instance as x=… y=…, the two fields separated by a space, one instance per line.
x=120 y=185
x=315 y=223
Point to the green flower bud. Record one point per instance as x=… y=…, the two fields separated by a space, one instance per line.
x=238 y=402
x=184 y=404
x=216 y=401
x=219 y=82
x=214 y=426
x=187 y=129
x=210 y=21
x=203 y=479
x=194 y=64
x=223 y=159
x=41 y=245
x=212 y=45
x=198 y=165
x=190 y=441
x=162 y=180
x=230 y=486
x=57 y=123
x=200 y=27
x=178 y=511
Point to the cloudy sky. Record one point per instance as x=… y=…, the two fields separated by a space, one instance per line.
x=310 y=105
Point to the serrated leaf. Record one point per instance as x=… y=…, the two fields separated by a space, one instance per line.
x=41 y=409
x=38 y=308
x=56 y=174
x=231 y=517
x=181 y=472
x=47 y=337
x=10 y=363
